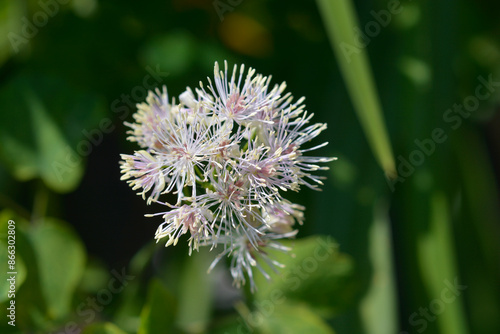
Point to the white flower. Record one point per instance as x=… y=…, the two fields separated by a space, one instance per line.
x=228 y=199
x=287 y=139
x=181 y=220
x=186 y=145
x=282 y=216
x=229 y=151
x=145 y=172
x=263 y=172
x=183 y=146
x=240 y=100
x=148 y=116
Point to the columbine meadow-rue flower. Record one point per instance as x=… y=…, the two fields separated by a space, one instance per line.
x=228 y=150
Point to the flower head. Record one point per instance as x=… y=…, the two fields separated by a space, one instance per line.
x=229 y=151
x=183 y=219
x=149 y=115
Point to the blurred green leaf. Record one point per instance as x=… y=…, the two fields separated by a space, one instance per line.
x=475 y=226
x=94 y=277
x=196 y=293
x=103 y=328
x=11 y=40
x=229 y=324
x=31 y=315
x=20 y=270
x=340 y=18
x=134 y=297
x=20 y=267
x=378 y=307
x=61 y=258
x=52 y=150
x=437 y=260
x=142 y=258
x=315 y=273
x=159 y=313
x=42 y=133
x=290 y=318
x=22 y=160
x=5 y=328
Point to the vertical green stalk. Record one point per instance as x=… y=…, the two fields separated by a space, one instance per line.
x=378 y=307
x=340 y=19
x=437 y=261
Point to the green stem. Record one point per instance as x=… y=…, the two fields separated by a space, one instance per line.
x=340 y=19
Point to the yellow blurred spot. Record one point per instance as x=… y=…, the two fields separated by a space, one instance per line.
x=245 y=35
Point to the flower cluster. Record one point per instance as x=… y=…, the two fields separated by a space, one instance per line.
x=227 y=151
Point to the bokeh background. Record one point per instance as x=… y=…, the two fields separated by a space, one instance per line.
x=418 y=254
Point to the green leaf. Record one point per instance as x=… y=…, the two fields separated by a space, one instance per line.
x=20 y=275
x=95 y=276
x=378 y=307
x=20 y=267
x=52 y=150
x=141 y=259
x=12 y=40
x=196 y=293
x=159 y=313
x=230 y=324
x=478 y=250
x=22 y=159
x=42 y=130
x=134 y=298
x=29 y=295
x=340 y=18
x=437 y=261
x=290 y=318
x=103 y=328
x=61 y=258
x=315 y=273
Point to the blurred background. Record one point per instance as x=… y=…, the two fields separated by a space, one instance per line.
x=416 y=253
